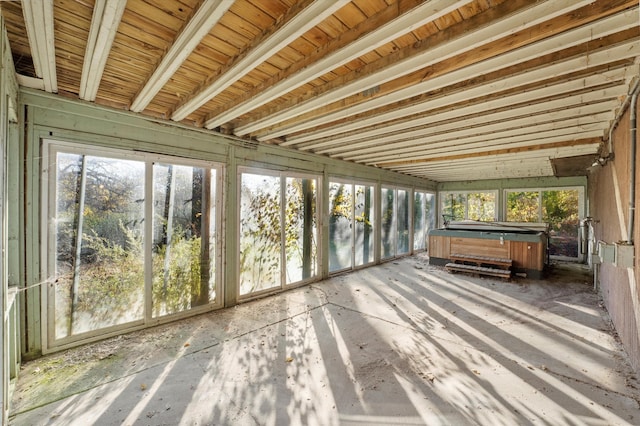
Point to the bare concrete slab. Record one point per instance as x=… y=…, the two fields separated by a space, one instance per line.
x=400 y=343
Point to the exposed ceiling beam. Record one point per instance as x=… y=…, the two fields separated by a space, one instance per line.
x=293 y=28
x=38 y=18
x=458 y=74
x=477 y=110
x=602 y=98
x=30 y=82
x=406 y=22
x=525 y=137
x=444 y=92
x=191 y=35
x=426 y=55
x=518 y=150
x=104 y=25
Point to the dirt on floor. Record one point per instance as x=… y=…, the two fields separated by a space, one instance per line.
x=401 y=321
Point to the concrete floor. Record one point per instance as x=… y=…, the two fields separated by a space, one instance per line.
x=400 y=343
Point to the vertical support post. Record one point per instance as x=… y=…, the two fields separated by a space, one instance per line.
x=203 y=215
x=79 y=222
x=307 y=227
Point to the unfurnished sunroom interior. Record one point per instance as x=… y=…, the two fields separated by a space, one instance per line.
x=169 y=158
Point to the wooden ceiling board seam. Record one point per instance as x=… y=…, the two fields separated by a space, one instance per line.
x=145 y=38
x=246 y=30
x=598 y=112
x=255 y=15
x=316 y=37
x=335 y=43
x=180 y=9
x=158 y=16
x=610 y=100
x=470 y=9
x=369 y=7
x=333 y=27
x=350 y=15
x=188 y=38
x=274 y=9
x=447 y=21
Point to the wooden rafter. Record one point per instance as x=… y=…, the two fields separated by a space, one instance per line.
x=291 y=28
x=529 y=148
x=38 y=17
x=514 y=19
x=387 y=25
x=556 y=101
x=199 y=26
x=105 y=21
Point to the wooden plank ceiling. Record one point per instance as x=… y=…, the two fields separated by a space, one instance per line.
x=442 y=89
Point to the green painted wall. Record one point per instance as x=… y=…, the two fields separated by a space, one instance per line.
x=53 y=117
x=10 y=243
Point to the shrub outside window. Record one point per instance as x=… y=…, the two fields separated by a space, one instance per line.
x=131 y=237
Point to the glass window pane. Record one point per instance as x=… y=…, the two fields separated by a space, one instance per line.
x=300 y=229
x=388 y=223
x=340 y=234
x=430 y=212
x=363 y=225
x=523 y=206
x=183 y=238
x=481 y=206
x=99 y=254
x=260 y=233
x=560 y=211
x=403 y=222
x=453 y=206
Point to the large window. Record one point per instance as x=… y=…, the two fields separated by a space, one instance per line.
x=184 y=248
x=278 y=230
x=130 y=238
x=559 y=208
x=467 y=205
x=351 y=223
x=424 y=218
x=395 y=222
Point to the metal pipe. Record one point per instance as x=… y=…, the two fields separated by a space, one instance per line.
x=632 y=159
x=616 y=121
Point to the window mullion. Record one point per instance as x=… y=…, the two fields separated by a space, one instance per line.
x=147 y=240
x=283 y=234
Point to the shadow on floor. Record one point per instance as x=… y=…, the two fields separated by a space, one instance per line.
x=399 y=343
